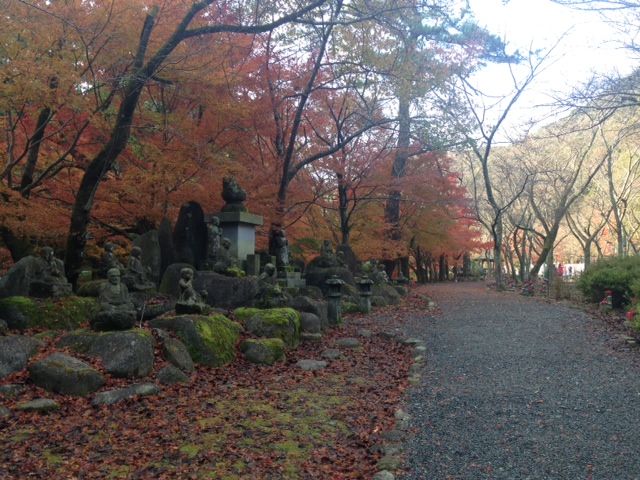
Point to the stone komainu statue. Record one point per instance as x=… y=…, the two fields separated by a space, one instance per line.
x=233 y=195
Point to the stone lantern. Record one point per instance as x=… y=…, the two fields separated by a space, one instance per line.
x=365 y=294
x=334 y=307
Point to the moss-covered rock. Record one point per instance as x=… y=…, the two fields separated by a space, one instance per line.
x=263 y=351
x=349 y=307
x=283 y=323
x=91 y=288
x=63 y=313
x=210 y=340
x=244 y=313
x=378 y=301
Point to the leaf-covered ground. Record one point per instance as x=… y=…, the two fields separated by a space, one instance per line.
x=239 y=421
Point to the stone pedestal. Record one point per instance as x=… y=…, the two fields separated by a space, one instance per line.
x=252 y=265
x=240 y=228
x=291 y=279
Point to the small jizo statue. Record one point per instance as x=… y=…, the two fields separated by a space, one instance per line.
x=269 y=293
x=327 y=257
x=48 y=276
x=282 y=251
x=190 y=302
x=137 y=273
x=224 y=259
x=214 y=236
x=50 y=269
x=116 y=312
x=109 y=260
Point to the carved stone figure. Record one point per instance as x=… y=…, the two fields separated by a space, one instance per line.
x=378 y=274
x=51 y=269
x=109 y=260
x=233 y=195
x=224 y=259
x=50 y=280
x=214 y=236
x=116 y=312
x=327 y=257
x=269 y=293
x=190 y=302
x=136 y=277
x=282 y=250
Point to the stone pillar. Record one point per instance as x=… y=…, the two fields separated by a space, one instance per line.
x=252 y=265
x=334 y=306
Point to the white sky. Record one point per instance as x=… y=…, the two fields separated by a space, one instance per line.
x=589 y=45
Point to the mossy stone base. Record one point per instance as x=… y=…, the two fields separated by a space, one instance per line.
x=64 y=313
x=210 y=340
x=282 y=323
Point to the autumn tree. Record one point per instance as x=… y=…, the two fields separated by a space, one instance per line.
x=151 y=54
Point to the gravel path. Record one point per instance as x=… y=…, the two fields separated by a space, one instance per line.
x=518 y=388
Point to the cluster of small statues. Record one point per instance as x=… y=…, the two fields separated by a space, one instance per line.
x=49 y=278
x=378 y=273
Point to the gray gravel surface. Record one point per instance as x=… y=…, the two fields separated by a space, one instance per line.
x=520 y=388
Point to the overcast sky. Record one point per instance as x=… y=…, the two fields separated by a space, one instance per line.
x=588 y=45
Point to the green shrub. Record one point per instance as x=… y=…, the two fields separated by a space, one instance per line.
x=616 y=274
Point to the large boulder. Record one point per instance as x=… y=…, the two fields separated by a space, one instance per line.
x=60 y=373
x=263 y=351
x=17 y=280
x=65 y=313
x=210 y=340
x=310 y=323
x=127 y=354
x=309 y=305
x=15 y=352
x=318 y=276
x=282 y=323
x=124 y=354
x=165 y=241
x=78 y=341
x=226 y=292
x=388 y=292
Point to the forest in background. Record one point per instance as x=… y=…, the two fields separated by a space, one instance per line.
x=353 y=121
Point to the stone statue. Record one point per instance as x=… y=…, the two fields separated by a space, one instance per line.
x=214 y=236
x=377 y=274
x=49 y=278
x=327 y=257
x=224 y=259
x=233 y=195
x=136 y=276
x=51 y=269
x=190 y=302
x=116 y=312
x=269 y=293
x=282 y=250
x=109 y=260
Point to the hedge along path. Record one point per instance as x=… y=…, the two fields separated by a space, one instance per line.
x=518 y=387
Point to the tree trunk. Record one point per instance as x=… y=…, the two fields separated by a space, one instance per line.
x=103 y=162
x=18 y=247
x=34 y=149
